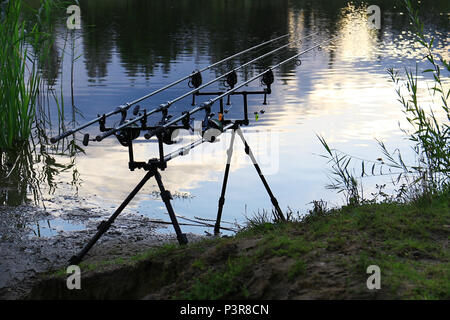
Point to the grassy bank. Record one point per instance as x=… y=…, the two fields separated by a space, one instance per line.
x=324 y=256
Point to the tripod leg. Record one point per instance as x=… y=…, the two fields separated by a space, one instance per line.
x=105 y=225
x=249 y=152
x=224 y=184
x=165 y=195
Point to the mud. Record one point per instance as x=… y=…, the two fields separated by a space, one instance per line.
x=24 y=255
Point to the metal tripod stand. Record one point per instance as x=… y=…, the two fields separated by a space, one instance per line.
x=152 y=169
x=249 y=152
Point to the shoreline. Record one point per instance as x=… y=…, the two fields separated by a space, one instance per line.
x=325 y=255
x=23 y=257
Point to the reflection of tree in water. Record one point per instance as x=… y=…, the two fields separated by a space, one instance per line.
x=24 y=171
x=45 y=49
x=50 y=64
x=153 y=34
x=97 y=38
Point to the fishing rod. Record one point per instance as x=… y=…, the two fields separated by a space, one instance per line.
x=167 y=105
x=210 y=102
x=126 y=106
x=156 y=164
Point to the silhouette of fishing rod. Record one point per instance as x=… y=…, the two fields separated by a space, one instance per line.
x=195 y=80
x=269 y=76
x=128 y=131
x=127 y=105
x=163 y=107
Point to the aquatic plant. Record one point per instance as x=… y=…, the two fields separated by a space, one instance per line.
x=431 y=136
x=430 y=133
x=19 y=78
x=27 y=36
x=342 y=179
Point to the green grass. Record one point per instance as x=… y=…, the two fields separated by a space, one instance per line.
x=410 y=279
x=319 y=253
x=298 y=269
x=157 y=251
x=86 y=266
x=200 y=264
x=284 y=245
x=400 y=238
x=220 y=284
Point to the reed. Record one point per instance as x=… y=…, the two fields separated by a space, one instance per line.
x=27 y=36
x=429 y=132
x=19 y=79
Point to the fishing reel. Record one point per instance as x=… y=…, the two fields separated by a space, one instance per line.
x=121 y=135
x=166 y=134
x=131 y=132
x=128 y=134
x=211 y=128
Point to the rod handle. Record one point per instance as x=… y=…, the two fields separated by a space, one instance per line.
x=106 y=134
x=86 y=140
x=61 y=136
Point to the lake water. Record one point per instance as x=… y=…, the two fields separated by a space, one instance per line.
x=126 y=49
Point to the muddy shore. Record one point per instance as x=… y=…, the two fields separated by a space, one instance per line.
x=24 y=255
x=326 y=255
